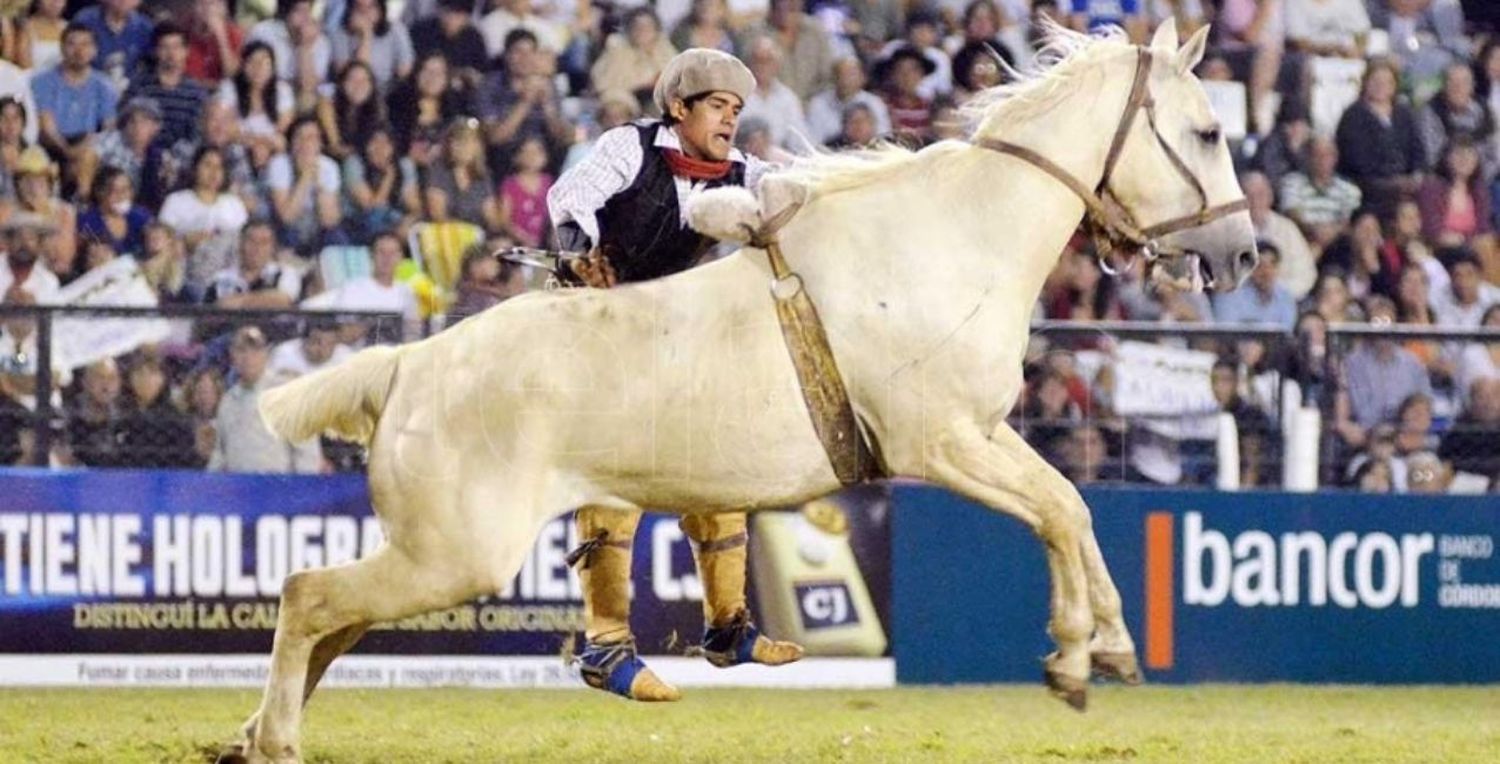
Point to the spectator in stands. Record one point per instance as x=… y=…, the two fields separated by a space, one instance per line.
x=985 y=27
x=1455 y=202
x=484 y=281
x=163 y=262
x=1414 y=425
x=181 y=99
x=205 y=210
x=114 y=216
x=1425 y=36
x=1378 y=376
x=353 y=112
x=303 y=53
x=1256 y=442
x=15 y=83
x=219 y=131
x=1262 y=299
x=825 y=111
x=380 y=291
x=706 y=26
x=305 y=186
x=1328 y=28
x=1454 y=114
x=1480 y=360
x=1380 y=147
x=367 y=34
x=457 y=184
x=1472 y=444
x=214 y=42
x=871 y=23
x=37 y=194
x=512 y=15
x=421 y=107
x=1285 y=150
x=1414 y=309
x=452 y=31
x=1298 y=268
x=1081 y=292
x=772 y=100
x=523 y=194
x=1426 y=474
x=1049 y=411
x=859 y=129
x=96 y=423
x=615 y=108
x=318 y=348
x=1251 y=35
x=1083 y=455
x=1308 y=362
x=243 y=444
x=805 y=56
x=633 y=58
x=521 y=101
x=26 y=236
x=1356 y=258
x=1487 y=86
x=74 y=104
x=381 y=190
x=901 y=74
x=1089 y=15
x=263 y=104
x=1468 y=296
x=975 y=69
x=13 y=142
x=133 y=148
x=1374 y=476
x=203 y=390
x=39 y=46
x=1319 y=200
x=155 y=433
x=122 y=34
x=257 y=280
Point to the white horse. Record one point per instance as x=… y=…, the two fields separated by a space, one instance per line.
x=679 y=394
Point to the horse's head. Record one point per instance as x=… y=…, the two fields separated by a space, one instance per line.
x=1175 y=176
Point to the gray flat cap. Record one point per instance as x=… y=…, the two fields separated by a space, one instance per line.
x=696 y=71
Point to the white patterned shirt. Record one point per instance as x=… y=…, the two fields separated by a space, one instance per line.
x=612 y=166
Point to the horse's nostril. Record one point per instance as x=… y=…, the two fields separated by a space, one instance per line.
x=1247 y=260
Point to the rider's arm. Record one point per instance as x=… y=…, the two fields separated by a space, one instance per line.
x=582 y=191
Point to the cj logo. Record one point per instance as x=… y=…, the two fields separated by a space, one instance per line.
x=825 y=604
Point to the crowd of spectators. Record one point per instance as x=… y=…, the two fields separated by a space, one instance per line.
x=365 y=155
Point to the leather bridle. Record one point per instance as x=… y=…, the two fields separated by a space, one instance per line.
x=1111 y=224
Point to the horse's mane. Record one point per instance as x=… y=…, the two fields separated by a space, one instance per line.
x=1064 y=54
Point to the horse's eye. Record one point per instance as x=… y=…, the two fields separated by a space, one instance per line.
x=1209 y=136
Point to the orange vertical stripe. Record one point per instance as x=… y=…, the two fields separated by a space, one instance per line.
x=1159 y=590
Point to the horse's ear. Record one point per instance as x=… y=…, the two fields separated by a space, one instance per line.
x=1165 y=39
x=1192 y=53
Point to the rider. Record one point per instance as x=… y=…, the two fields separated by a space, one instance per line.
x=624 y=205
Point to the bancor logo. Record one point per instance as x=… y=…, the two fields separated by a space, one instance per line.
x=1257 y=569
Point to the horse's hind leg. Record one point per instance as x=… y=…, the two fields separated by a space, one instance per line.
x=323 y=654
x=1003 y=472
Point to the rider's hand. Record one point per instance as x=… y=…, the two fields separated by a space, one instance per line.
x=594 y=269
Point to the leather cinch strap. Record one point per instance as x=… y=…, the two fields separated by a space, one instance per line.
x=854 y=458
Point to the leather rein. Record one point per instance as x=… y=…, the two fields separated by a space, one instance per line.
x=1111 y=224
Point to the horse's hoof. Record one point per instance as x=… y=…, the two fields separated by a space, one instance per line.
x=1118 y=666
x=233 y=754
x=1070 y=690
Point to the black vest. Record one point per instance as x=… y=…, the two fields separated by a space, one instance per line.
x=640 y=228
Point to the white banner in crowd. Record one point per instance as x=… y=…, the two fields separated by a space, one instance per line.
x=1172 y=383
x=79 y=342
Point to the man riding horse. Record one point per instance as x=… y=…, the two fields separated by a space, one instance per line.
x=624 y=207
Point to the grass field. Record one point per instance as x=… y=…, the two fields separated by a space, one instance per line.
x=1275 y=723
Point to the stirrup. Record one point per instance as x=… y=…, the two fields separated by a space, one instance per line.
x=732 y=644
x=610 y=666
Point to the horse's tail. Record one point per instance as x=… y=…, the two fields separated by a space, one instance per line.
x=344 y=401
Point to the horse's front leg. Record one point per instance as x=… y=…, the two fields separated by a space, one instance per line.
x=1004 y=473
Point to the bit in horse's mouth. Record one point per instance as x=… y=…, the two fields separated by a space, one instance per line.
x=1206 y=270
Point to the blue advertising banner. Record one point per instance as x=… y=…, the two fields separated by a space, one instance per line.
x=1326 y=587
x=125 y=562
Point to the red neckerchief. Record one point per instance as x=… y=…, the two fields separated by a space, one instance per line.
x=684 y=166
